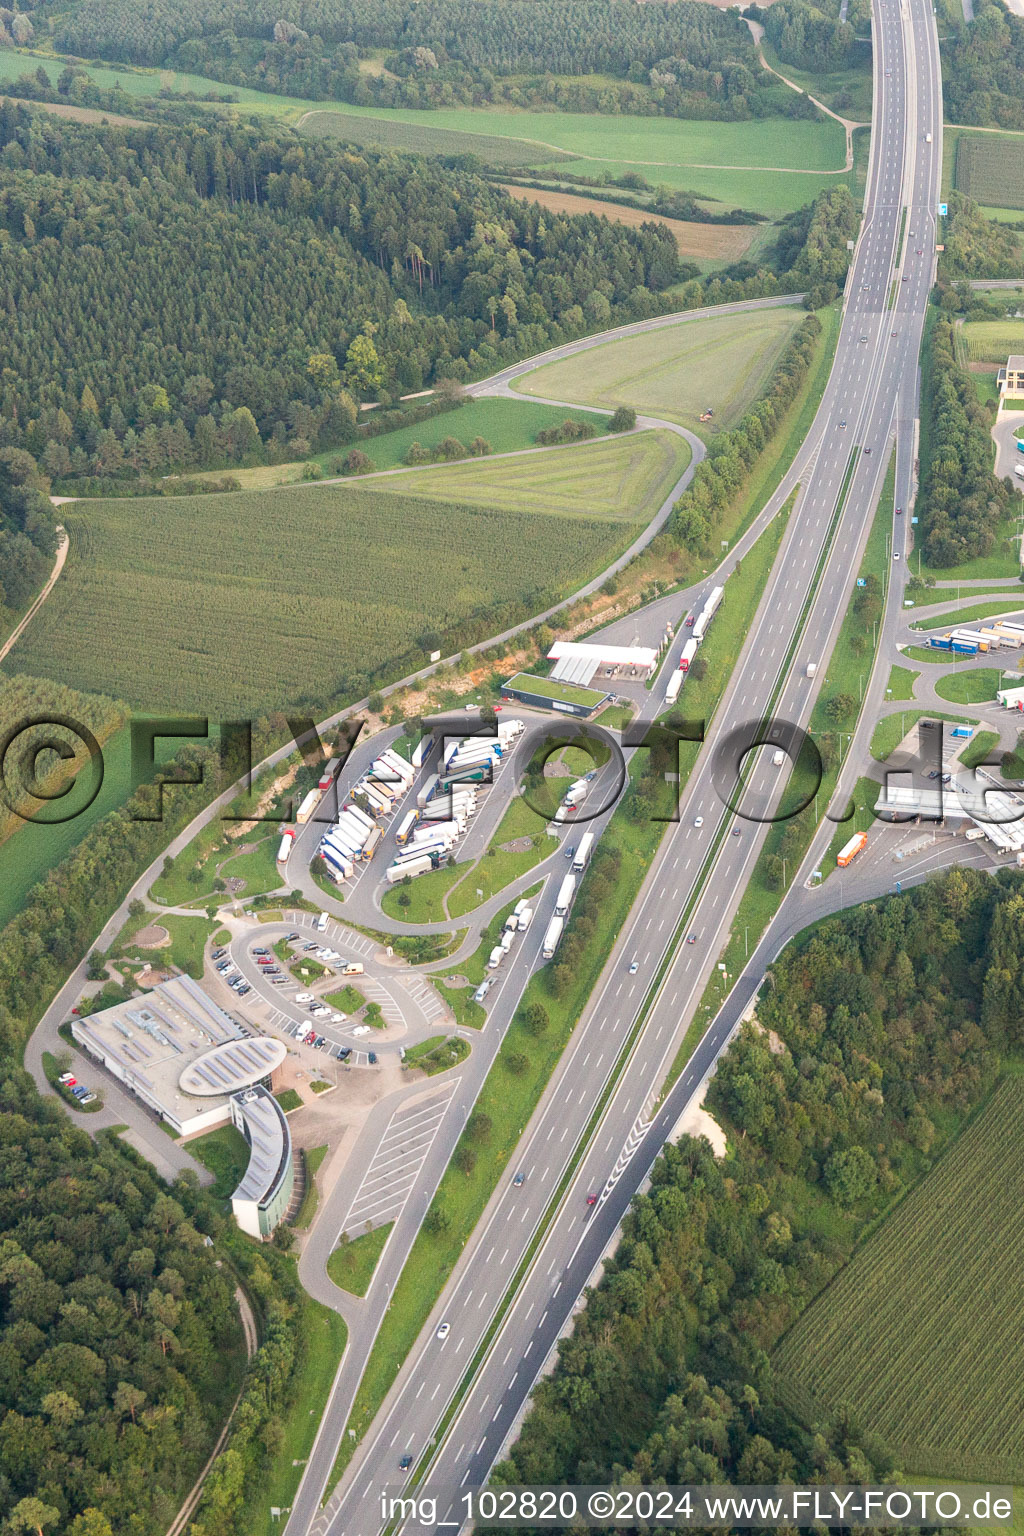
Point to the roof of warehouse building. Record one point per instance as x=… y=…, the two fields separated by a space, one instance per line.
x=576 y=662
x=269 y=1140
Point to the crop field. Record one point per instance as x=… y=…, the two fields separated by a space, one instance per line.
x=721 y=362
x=899 y=1336
x=990 y=169
x=219 y=603
x=607 y=480
x=991 y=341
x=704 y=242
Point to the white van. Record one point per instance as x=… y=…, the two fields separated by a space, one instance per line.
x=322 y=921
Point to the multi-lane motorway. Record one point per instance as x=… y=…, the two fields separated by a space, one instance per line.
x=700 y=873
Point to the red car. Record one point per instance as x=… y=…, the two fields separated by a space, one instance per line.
x=591 y=1199
x=899 y=511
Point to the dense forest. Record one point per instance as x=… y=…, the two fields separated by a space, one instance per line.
x=682 y=59
x=116 y=1331
x=976 y=246
x=982 y=78
x=961 y=503
x=874 y=1039
x=177 y=296
x=807 y=35
x=28 y=536
x=131 y=260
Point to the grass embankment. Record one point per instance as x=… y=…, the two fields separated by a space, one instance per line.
x=1010 y=603
x=974 y=686
x=979 y=748
x=353 y=1262
x=1003 y=560
x=901 y=683
x=722 y=362
x=525 y=1062
x=311 y=1199
x=348 y=999
x=324 y=1337
x=787 y=840
x=437 y=1054
x=288 y=1100
x=421 y=901
x=225 y=1152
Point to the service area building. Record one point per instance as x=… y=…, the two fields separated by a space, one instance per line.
x=1011 y=378
x=547 y=693
x=263 y=1196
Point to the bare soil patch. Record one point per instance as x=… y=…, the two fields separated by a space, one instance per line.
x=707 y=241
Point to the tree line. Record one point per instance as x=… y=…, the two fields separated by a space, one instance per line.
x=982 y=80
x=681 y=59
x=378 y=273
x=961 y=503
x=875 y=1038
x=28 y=530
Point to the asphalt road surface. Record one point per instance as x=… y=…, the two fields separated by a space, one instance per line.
x=699 y=874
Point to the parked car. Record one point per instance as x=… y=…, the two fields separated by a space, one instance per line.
x=361 y=1029
x=67 y=1079
x=293 y=938
x=90 y=1098
x=373 y=1058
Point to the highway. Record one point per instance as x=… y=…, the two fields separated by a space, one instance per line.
x=871 y=396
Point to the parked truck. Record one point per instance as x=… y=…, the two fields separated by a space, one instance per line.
x=403 y=867
x=308 y=806
x=552 y=936
x=370 y=846
x=495 y=958
x=407 y=823
x=422 y=750
x=584 y=846
x=849 y=851
x=284 y=848
x=473 y=773
x=689 y=652
x=566 y=892
x=425 y=791
x=675 y=682
x=525 y=919
x=974 y=833
x=329 y=774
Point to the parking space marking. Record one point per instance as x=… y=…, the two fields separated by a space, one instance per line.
x=397 y=1160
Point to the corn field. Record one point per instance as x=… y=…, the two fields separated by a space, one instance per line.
x=242 y=602
x=920 y=1334
x=990 y=170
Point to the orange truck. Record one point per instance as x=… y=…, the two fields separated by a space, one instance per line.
x=850 y=850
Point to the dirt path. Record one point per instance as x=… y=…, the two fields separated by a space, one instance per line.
x=757 y=32
x=187 y=1510
x=81 y=114
x=58 y=566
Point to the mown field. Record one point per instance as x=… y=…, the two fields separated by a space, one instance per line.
x=919 y=1335
x=248 y=600
x=505 y=424
x=702 y=242
x=990 y=169
x=722 y=362
x=607 y=480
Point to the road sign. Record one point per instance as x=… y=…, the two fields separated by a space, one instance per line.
x=943 y=210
